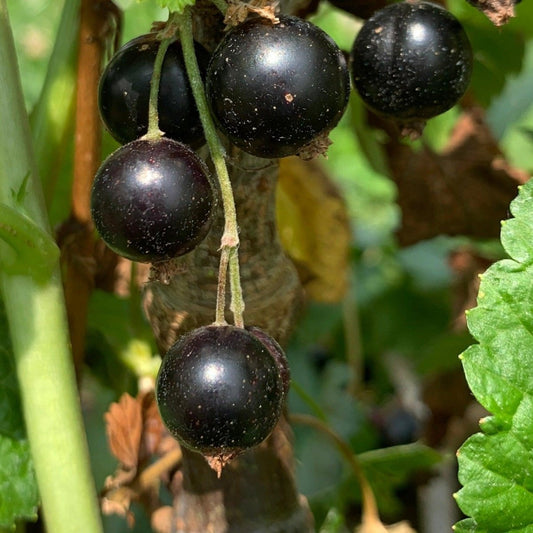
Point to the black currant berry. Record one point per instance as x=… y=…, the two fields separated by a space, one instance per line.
x=125 y=89
x=274 y=88
x=219 y=391
x=411 y=61
x=152 y=200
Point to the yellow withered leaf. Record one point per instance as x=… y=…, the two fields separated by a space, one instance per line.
x=314 y=228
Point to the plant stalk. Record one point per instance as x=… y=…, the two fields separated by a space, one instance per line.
x=153 y=115
x=39 y=333
x=230 y=237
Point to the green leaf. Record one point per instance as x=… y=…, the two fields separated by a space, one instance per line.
x=388 y=469
x=176 y=5
x=496 y=466
x=18 y=488
x=33 y=250
x=393 y=466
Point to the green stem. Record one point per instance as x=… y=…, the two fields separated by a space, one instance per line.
x=220 y=319
x=237 y=304
x=52 y=118
x=370 y=508
x=39 y=333
x=230 y=237
x=153 y=116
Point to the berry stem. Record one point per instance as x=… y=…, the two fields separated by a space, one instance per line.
x=38 y=329
x=237 y=304
x=167 y=37
x=230 y=238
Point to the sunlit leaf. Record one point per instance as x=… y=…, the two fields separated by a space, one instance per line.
x=496 y=466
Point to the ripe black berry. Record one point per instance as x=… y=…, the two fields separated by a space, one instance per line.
x=125 y=88
x=274 y=88
x=411 y=61
x=219 y=391
x=152 y=200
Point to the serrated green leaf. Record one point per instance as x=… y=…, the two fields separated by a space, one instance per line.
x=496 y=466
x=176 y=5
x=18 y=487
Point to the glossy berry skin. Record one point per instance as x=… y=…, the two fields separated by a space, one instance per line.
x=276 y=351
x=219 y=390
x=411 y=61
x=124 y=92
x=274 y=88
x=152 y=200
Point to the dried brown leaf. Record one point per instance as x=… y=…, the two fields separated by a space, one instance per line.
x=238 y=12
x=153 y=429
x=314 y=227
x=124 y=427
x=118 y=502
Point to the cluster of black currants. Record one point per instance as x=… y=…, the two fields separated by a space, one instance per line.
x=274 y=90
x=152 y=199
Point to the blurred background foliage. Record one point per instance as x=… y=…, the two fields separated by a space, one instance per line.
x=362 y=364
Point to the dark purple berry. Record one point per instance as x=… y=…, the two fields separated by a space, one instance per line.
x=125 y=89
x=411 y=61
x=152 y=200
x=274 y=88
x=219 y=390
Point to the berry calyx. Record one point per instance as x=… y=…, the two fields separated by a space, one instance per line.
x=219 y=392
x=124 y=92
x=275 y=88
x=152 y=200
x=411 y=61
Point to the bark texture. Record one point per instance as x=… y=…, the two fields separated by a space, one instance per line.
x=256 y=492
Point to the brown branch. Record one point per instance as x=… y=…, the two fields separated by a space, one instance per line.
x=76 y=236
